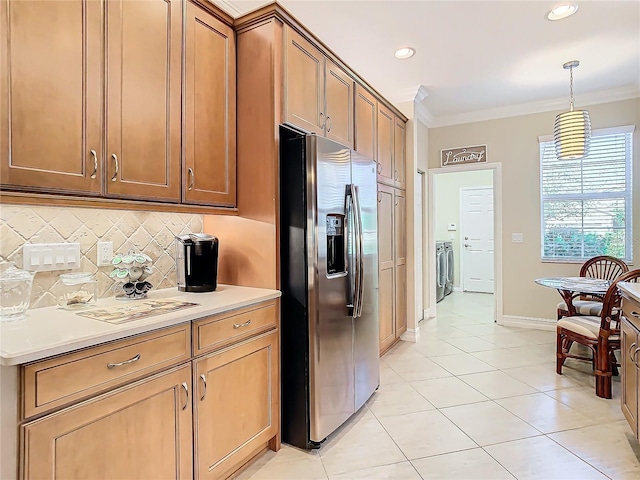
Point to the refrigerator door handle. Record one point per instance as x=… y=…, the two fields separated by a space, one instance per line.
x=354 y=277
x=349 y=223
x=359 y=251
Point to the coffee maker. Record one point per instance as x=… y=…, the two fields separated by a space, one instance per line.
x=197 y=262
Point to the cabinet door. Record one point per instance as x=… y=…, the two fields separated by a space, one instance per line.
x=51 y=95
x=144 y=41
x=386 y=266
x=386 y=124
x=400 y=228
x=629 y=398
x=303 y=83
x=236 y=405
x=365 y=130
x=338 y=104
x=401 y=299
x=209 y=175
x=140 y=431
x=399 y=156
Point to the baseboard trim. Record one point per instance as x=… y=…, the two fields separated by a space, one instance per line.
x=528 y=322
x=429 y=313
x=411 y=335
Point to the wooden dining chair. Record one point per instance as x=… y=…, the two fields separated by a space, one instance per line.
x=603 y=267
x=600 y=334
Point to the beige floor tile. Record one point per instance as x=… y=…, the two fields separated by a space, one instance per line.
x=462 y=364
x=444 y=331
x=388 y=376
x=472 y=344
x=545 y=413
x=287 y=464
x=611 y=448
x=435 y=348
x=507 y=340
x=584 y=400
x=426 y=433
x=460 y=320
x=448 y=392
x=542 y=377
x=497 y=384
x=487 y=423
x=421 y=368
x=540 y=458
x=397 y=399
x=478 y=330
x=395 y=471
x=364 y=444
x=514 y=357
x=469 y=464
x=540 y=336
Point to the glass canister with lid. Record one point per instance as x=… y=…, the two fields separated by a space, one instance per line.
x=77 y=290
x=15 y=291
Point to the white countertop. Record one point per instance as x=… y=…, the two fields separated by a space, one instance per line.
x=51 y=330
x=631 y=289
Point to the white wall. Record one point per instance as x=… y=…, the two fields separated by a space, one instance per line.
x=446 y=190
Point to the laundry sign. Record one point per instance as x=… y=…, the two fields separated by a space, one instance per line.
x=464 y=155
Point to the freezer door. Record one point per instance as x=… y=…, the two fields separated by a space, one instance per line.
x=331 y=365
x=366 y=337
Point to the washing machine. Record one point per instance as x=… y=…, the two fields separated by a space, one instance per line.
x=448 y=253
x=441 y=271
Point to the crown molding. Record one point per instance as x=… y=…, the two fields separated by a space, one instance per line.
x=422 y=113
x=416 y=92
x=560 y=103
x=229 y=7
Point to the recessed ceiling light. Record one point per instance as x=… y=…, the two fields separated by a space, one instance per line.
x=562 y=11
x=405 y=52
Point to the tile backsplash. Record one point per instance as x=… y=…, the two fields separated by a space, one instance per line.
x=150 y=232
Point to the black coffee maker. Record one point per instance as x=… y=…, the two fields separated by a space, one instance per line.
x=197 y=262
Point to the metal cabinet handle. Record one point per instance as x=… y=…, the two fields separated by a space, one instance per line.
x=396 y=202
x=467 y=245
x=131 y=360
x=115 y=174
x=186 y=390
x=379 y=197
x=204 y=382
x=322 y=122
x=396 y=174
x=240 y=325
x=635 y=314
x=379 y=167
x=629 y=350
x=328 y=124
x=633 y=358
x=95 y=163
x=192 y=178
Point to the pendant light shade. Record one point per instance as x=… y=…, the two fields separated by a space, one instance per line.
x=572 y=130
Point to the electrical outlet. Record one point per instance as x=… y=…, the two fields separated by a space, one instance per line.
x=105 y=253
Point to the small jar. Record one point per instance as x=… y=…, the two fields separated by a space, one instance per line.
x=77 y=290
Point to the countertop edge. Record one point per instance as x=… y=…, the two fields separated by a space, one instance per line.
x=131 y=329
x=632 y=290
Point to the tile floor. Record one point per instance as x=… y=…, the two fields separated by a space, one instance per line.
x=472 y=400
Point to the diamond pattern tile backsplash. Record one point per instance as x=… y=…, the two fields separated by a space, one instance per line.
x=149 y=232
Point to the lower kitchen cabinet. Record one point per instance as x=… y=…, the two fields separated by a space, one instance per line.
x=236 y=401
x=143 y=430
x=630 y=346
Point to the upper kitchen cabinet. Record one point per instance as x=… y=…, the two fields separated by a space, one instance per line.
x=366 y=111
x=386 y=128
x=143 y=79
x=51 y=95
x=399 y=155
x=318 y=94
x=210 y=110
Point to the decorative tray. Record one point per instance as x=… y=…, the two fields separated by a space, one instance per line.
x=135 y=311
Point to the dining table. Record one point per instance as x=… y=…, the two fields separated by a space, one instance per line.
x=572 y=287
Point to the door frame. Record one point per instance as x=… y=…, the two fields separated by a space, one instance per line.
x=496 y=168
x=461 y=246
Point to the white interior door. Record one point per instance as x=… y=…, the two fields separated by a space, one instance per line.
x=476 y=215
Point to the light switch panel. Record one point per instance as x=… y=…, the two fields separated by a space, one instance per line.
x=39 y=257
x=517 y=238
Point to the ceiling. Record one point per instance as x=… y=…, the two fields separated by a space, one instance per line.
x=479 y=59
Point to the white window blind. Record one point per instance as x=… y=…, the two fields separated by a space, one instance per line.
x=586 y=203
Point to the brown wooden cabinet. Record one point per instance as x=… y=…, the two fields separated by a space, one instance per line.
x=386 y=128
x=630 y=347
x=51 y=95
x=209 y=141
x=236 y=408
x=143 y=89
x=366 y=112
x=399 y=155
x=143 y=430
x=400 y=260
x=318 y=94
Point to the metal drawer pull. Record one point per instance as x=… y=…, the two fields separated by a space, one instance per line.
x=95 y=163
x=635 y=352
x=131 y=360
x=629 y=350
x=204 y=382
x=396 y=174
x=186 y=390
x=240 y=325
x=192 y=179
x=115 y=174
x=328 y=124
x=635 y=314
x=322 y=120
x=379 y=167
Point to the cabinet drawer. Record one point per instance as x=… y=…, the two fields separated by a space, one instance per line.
x=59 y=381
x=220 y=330
x=631 y=310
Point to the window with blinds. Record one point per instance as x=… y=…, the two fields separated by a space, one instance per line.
x=586 y=203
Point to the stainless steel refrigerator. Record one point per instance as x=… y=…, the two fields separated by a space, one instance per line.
x=329 y=281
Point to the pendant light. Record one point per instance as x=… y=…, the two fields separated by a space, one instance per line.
x=572 y=130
